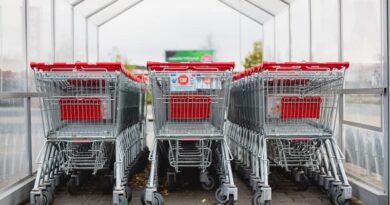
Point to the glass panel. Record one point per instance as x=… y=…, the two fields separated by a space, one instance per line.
x=282 y=36
x=13 y=156
x=269 y=40
x=40 y=49
x=204 y=28
x=40 y=31
x=12 y=54
x=364 y=152
x=362 y=43
x=80 y=37
x=92 y=42
x=365 y=109
x=300 y=33
x=37 y=134
x=325 y=30
x=63 y=32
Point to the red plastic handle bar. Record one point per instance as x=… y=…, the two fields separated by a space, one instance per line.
x=292 y=66
x=302 y=66
x=85 y=66
x=130 y=75
x=195 y=66
x=62 y=66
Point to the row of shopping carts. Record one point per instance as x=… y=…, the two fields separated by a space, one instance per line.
x=282 y=116
x=93 y=118
x=279 y=115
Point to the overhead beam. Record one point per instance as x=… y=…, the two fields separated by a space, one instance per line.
x=270 y=6
x=124 y=9
x=248 y=10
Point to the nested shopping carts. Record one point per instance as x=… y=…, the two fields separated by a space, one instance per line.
x=189 y=105
x=93 y=119
x=283 y=115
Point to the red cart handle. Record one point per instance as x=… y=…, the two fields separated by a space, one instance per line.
x=301 y=66
x=195 y=66
x=84 y=66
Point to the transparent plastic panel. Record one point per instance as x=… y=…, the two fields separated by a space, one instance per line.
x=325 y=40
x=12 y=47
x=13 y=155
x=364 y=152
x=178 y=25
x=40 y=32
x=63 y=31
x=40 y=50
x=80 y=51
x=300 y=31
x=282 y=47
x=93 y=43
x=362 y=43
x=269 y=40
x=365 y=109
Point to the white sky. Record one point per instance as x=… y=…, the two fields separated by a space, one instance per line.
x=144 y=32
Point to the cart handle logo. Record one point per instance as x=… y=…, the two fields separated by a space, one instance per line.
x=183 y=79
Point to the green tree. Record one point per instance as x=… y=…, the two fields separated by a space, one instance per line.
x=255 y=57
x=117 y=57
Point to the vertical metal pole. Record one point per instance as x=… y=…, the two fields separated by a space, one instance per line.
x=86 y=40
x=340 y=58
x=274 y=19
x=240 y=39
x=53 y=26
x=27 y=102
x=73 y=36
x=385 y=124
x=97 y=42
x=310 y=33
x=289 y=33
x=340 y=30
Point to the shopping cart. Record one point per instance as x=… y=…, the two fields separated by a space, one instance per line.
x=189 y=105
x=93 y=120
x=283 y=115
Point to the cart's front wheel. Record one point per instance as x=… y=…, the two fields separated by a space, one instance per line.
x=258 y=200
x=338 y=199
x=220 y=197
x=47 y=198
x=210 y=184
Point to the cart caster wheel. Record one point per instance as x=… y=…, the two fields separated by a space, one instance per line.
x=222 y=199
x=303 y=183
x=47 y=198
x=129 y=193
x=257 y=200
x=337 y=199
x=158 y=198
x=210 y=185
x=71 y=186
